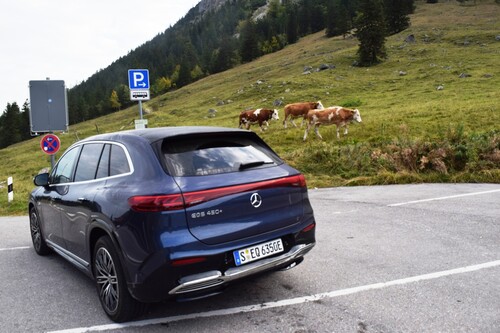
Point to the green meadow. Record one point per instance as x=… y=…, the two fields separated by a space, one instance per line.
x=430 y=110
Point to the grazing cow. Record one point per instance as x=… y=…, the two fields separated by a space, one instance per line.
x=259 y=116
x=337 y=115
x=300 y=109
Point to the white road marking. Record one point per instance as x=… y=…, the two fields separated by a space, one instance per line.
x=15 y=248
x=442 y=198
x=286 y=302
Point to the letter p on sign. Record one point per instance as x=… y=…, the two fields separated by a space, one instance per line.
x=138 y=78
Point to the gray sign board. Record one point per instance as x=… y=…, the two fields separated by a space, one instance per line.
x=48 y=106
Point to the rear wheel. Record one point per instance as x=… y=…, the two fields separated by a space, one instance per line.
x=36 y=234
x=115 y=298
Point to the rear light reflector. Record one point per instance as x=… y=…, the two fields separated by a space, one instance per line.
x=158 y=203
x=309 y=227
x=188 y=261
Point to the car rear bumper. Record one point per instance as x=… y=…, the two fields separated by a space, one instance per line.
x=211 y=279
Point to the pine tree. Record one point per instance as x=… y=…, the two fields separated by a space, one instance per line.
x=123 y=92
x=305 y=17
x=249 y=46
x=371 y=32
x=338 y=20
x=331 y=20
x=318 y=13
x=10 y=125
x=396 y=15
x=292 y=31
x=25 y=121
x=224 y=56
x=184 y=75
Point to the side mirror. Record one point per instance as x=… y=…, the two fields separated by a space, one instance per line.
x=41 y=179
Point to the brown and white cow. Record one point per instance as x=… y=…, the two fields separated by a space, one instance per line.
x=296 y=110
x=337 y=115
x=259 y=116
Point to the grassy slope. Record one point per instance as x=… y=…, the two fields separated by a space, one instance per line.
x=451 y=40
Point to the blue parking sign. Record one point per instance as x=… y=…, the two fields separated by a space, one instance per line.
x=138 y=79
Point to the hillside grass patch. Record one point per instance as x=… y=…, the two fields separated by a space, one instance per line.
x=423 y=121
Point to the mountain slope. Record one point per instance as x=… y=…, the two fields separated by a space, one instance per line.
x=412 y=130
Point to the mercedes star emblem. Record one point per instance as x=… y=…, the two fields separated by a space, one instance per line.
x=256 y=200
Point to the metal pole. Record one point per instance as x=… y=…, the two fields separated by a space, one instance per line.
x=52 y=157
x=140 y=109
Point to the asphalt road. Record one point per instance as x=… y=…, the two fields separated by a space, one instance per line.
x=405 y=258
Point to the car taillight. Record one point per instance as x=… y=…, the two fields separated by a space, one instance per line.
x=301 y=180
x=158 y=203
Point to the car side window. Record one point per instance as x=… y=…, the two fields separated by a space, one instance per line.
x=63 y=172
x=118 y=161
x=87 y=163
x=103 y=168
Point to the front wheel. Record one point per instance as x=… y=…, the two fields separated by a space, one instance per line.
x=36 y=234
x=111 y=284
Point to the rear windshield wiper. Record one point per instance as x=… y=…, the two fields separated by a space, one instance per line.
x=254 y=164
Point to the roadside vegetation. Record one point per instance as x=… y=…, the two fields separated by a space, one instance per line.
x=430 y=109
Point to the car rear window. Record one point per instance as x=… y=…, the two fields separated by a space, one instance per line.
x=215 y=154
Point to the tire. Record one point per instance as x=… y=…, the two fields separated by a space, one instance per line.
x=39 y=243
x=112 y=290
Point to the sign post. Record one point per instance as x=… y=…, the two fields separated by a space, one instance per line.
x=138 y=82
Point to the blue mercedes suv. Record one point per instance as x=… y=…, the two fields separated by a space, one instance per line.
x=173 y=212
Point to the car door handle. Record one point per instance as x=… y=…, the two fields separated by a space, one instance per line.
x=83 y=200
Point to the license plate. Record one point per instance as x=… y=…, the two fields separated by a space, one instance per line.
x=256 y=252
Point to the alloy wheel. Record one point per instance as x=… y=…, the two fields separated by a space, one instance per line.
x=107 y=280
x=36 y=235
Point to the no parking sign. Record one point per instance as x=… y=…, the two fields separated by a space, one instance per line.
x=50 y=144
